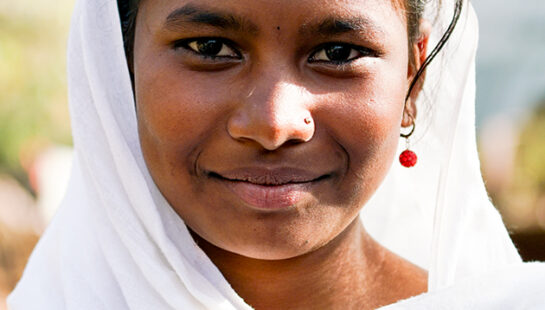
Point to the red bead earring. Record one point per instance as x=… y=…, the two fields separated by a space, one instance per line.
x=408 y=158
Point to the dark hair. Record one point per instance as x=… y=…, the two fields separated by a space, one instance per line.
x=128 y=9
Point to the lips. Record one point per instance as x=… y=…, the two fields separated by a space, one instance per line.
x=270 y=189
x=272 y=177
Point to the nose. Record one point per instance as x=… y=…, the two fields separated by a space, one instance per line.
x=272 y=114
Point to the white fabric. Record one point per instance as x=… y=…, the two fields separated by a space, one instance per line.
x=116 y=243
x=441 y=204
x=518 y=286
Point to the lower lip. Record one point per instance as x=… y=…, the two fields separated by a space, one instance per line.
x=269 y=197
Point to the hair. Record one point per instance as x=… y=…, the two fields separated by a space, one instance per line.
x=128 y=9
x=414 y=9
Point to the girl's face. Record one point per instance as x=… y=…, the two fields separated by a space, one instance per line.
x=268 y=124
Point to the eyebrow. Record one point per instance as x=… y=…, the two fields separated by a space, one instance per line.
x=335 y=26
x=193 y=14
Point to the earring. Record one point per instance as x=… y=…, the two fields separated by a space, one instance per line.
x=408 y=158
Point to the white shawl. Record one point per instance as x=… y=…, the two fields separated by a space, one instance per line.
x=115 y=243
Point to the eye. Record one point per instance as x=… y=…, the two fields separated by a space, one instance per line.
x=209 y=47
x=338 y=53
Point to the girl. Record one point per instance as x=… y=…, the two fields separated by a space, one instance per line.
x=224 y=152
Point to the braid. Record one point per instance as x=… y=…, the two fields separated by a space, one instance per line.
x=440 y=44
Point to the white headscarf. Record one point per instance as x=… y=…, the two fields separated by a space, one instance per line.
x=441 y=204
x=117 y=244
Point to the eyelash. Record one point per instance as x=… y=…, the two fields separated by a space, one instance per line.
x=322 y=49
x=227 y=45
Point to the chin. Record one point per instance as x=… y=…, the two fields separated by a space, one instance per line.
x=275 y=237
x=277 y=249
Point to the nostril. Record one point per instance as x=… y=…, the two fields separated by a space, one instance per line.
x=293 y=142
x=272 y=133
x=273 y=116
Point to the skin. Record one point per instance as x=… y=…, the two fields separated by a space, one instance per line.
x=202 y=117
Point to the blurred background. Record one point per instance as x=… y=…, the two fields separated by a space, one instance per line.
x=510 y=111
x=35 y=153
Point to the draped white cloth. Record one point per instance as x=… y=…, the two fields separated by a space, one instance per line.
x=442 y=202
x=115 y=243
x=517 y=286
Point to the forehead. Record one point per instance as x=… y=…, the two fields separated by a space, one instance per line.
x=257 y=14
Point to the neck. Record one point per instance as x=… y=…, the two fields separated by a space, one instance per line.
x=342 y=273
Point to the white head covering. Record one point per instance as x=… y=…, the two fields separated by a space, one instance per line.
x=117 y=244
x=441 y=204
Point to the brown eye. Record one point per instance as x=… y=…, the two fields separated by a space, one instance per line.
x=337 y=53
x=211 y=47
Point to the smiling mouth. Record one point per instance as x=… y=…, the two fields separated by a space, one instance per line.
x=266 y=189
x=269 y=179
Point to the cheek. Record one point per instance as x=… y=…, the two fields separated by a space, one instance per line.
x=170 y=107
x=365 y=120
x=370 y=113
x=177 y=111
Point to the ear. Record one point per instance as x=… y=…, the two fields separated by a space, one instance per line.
x=419 y=52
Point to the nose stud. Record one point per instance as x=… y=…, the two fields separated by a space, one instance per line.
x=308 y=120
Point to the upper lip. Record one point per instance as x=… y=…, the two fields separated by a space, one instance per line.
x=270 y=176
